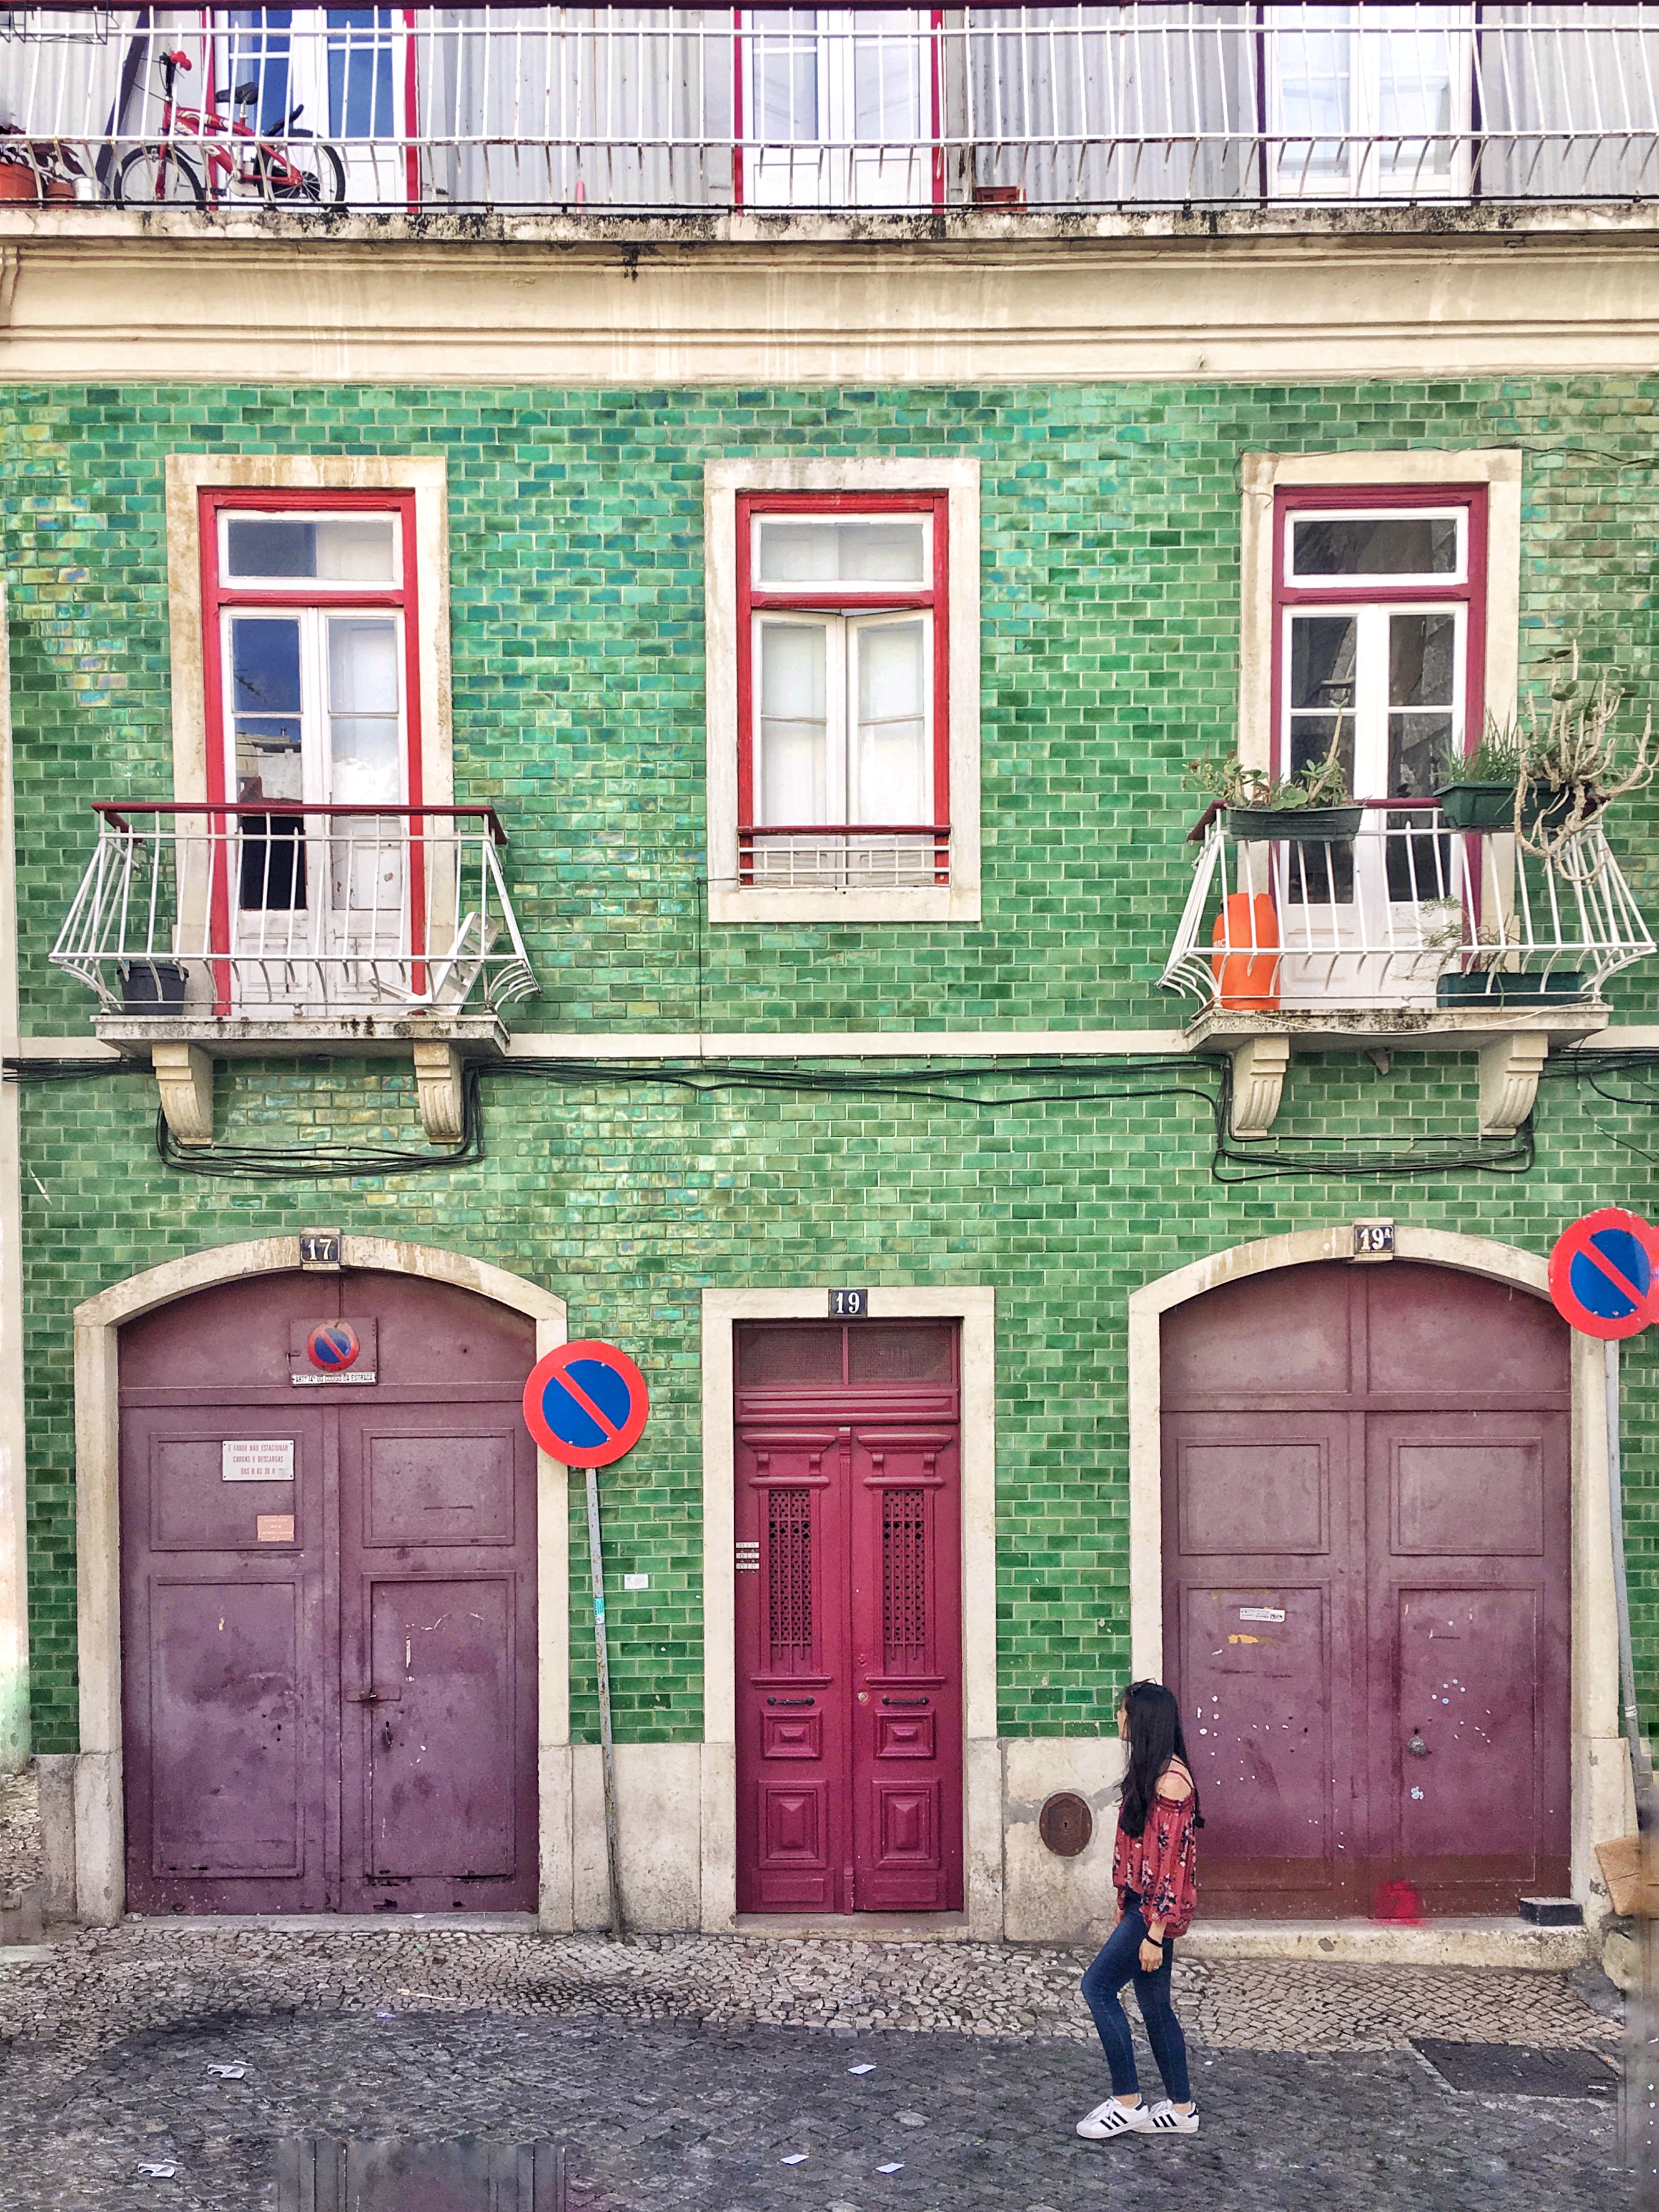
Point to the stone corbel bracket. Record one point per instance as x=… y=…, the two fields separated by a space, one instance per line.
x=1509 y=1069
x=1260 y=1065
x=184 y=1076
x=438 y=1084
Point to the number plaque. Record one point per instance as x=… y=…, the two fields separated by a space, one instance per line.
x=849 y=1305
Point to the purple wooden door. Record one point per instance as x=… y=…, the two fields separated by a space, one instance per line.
x=1366 y=1574
x=848 y=1629
x=286 y=1549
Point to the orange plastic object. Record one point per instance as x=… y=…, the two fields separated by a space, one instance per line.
x=1249 y=978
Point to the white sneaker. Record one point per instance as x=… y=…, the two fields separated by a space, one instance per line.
x=1164 y=2120
x=1112 y=2118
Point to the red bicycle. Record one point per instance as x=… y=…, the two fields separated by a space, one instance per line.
x=233 y=154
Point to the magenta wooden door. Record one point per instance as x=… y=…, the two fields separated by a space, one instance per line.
x=1366 y=1576
x=328 y=1604
x=849 y=1622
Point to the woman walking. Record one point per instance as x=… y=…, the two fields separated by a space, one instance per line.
x=1154 y=1872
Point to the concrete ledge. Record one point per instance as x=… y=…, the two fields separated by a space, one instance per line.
x=1496 y=1942
x=856 y=1927
x=335 y=1924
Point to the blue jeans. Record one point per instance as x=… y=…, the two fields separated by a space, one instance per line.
x=1117 y=1963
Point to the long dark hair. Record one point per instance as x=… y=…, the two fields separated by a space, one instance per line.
x=1155 y=1739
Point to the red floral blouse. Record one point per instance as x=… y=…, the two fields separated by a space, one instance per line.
x=1160 y=1864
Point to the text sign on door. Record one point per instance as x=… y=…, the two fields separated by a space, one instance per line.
x=255 y=1459
x=586 y=1403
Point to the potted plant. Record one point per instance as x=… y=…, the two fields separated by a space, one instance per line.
x=1574 y=763
x=1479 y=792
x=152 y=987
x=1474 y=974
x=35 y=169
x=1313 y=806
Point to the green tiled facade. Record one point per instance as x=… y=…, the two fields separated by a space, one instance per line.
x=1111 y=622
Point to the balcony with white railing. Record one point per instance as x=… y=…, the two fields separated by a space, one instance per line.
x=1401 y=929
x=270 y=927
x=683 y=110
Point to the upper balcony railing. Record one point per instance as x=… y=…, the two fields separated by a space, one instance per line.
x=678 y=110
x=271 y=908
x=1400 y=911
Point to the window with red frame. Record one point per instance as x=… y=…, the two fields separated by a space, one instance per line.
x=843 y=691
x=1379 y=648
x=311 y=652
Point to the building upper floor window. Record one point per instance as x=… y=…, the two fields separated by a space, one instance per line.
x=1367 y=101
x=843 y=690
x=1379 y=633
x=844 y=701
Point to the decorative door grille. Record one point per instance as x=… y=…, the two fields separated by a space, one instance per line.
x=904 y=1578
x=789 y=1575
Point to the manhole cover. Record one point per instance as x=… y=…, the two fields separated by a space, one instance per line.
x=1514 y=2070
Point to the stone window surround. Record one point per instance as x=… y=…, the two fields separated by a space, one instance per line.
x=959 y=900
x=187 y=474
x=1262 y=475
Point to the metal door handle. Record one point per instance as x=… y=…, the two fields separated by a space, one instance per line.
x=1417 y=1747
x=789 y=1701
x=904 y=1701
x=370 y=1697
x=385 y=1736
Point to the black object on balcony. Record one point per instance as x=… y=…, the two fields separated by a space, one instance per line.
x=152 y=987
x=1508 y=988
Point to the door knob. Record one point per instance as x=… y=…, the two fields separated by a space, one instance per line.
x=364 y=1698
x=385 y=1736
x=1417 y=1747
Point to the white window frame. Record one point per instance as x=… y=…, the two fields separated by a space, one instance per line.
x=1284 y=31
x=958 y=901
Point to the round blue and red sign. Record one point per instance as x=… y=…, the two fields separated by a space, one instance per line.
x=1604 y=1273
x=333 y=1346
x=586 y=1403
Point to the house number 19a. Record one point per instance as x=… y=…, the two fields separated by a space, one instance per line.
x=849 y=1305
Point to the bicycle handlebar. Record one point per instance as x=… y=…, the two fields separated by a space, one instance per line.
x=180 y=60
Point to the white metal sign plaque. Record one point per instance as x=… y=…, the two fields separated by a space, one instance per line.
x=257 y=1459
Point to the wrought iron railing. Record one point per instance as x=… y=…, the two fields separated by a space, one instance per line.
x=873 y=856
x=1407 y=912
x=678 y=109
x=268 y=908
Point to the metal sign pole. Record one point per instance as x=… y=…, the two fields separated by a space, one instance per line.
x=595 y=1565
x=1638 y=2081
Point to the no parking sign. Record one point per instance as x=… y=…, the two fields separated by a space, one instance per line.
x=586 y=1403
x=1604 y=1273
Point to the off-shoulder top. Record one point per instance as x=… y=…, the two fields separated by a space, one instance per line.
x=1160 y=1864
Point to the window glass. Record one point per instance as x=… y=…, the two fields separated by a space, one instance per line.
x=266 y=705
x=793 y=766
x=1394 y=545
x=362 y=700
x=891 y=769
x=885 y=1352
x=871 y=551
x=358 y=549
x=803 y=1353
x=1422 y=681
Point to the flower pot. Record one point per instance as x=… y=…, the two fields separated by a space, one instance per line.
x=152 y=987
x=1509 y=987
x=1477 y=806
x=1299 y=825
x=18 y=181
x=57 y=188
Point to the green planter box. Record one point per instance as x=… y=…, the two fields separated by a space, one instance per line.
x=1510 y=990
x=1477 y=806
x=1298 y=825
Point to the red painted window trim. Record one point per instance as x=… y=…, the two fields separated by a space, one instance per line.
x=1359 y=590
x=216 y=595
x=753 y=598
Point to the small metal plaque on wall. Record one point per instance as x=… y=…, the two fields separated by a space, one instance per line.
x=1373 y=1240
x=849 y=1305
x=319 y=1251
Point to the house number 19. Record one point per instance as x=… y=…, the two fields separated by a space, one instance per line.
x=849 y=1305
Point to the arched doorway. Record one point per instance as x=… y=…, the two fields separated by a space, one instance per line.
x=328 y=1573
x=1366 y=1515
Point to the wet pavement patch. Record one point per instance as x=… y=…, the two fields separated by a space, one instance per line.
x=1514 y=2070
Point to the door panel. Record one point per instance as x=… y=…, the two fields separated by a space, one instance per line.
x=227 y=1717
x=849 y=1620
x=285 y=1551
x=1470 y=1657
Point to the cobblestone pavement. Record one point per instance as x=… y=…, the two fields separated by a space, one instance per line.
x=680 y=2072
x=19 y=1832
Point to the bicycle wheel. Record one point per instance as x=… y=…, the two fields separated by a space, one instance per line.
x=308 y=172
x=157 y=176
